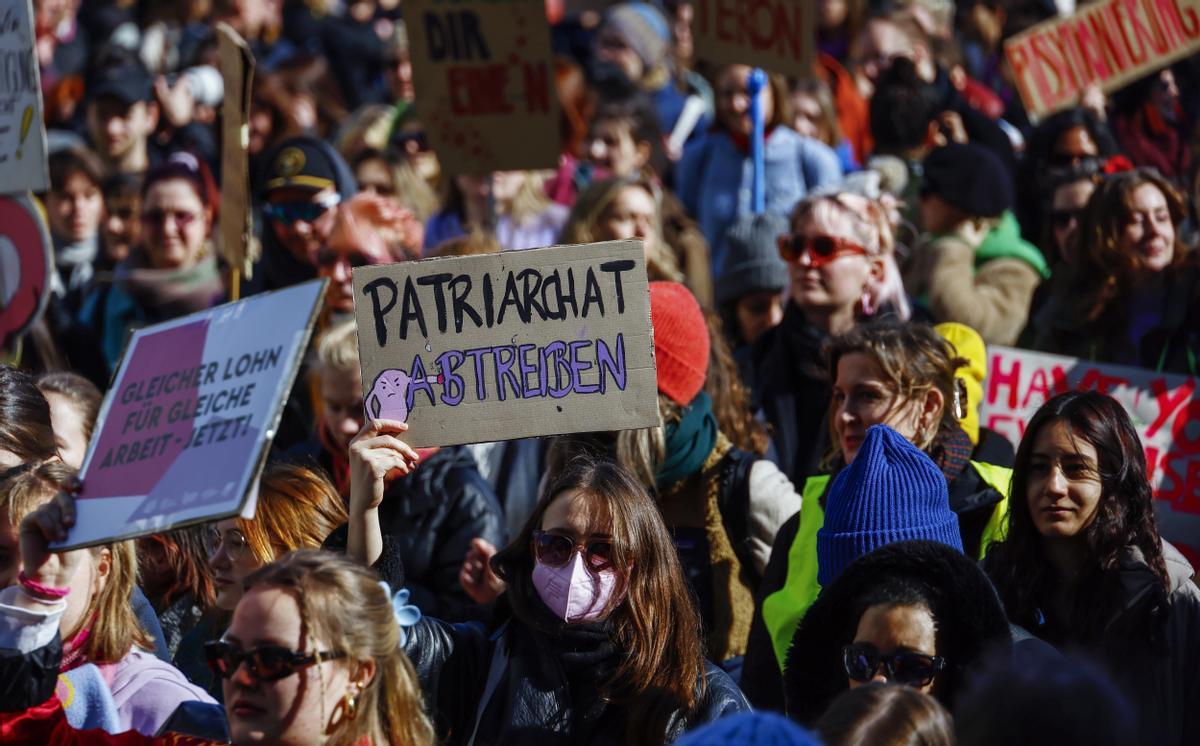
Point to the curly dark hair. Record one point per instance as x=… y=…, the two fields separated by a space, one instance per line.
x=1124 y=518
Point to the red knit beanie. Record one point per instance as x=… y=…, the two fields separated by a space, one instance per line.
x=680 y=341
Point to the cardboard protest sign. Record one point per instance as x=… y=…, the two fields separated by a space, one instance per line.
x=776 y=35
x=22 y=133
x=1109 y=43
x=484 y=75
x=26 y=266
x=1164 y=409
x=184 y=429
x=237 y=72
x=512 y=345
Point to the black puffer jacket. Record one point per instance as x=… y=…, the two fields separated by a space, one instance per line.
x=432 y=515
x=28 y=679
x=511 y=687
x=970 y=620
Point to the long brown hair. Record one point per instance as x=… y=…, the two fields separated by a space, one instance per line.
x=913 y=358
x=1105 y=274
x=114 y=627
x=343 y=605
x=655 y=624
x=1124 y=517
x=731 y=400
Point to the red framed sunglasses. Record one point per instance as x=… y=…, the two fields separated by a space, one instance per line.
x=821 y=250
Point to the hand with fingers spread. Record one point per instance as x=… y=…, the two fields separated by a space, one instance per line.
x=476 y=576
x=376 y=455
x=40 y=564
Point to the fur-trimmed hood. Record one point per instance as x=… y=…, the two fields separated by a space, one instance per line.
x=970 y=619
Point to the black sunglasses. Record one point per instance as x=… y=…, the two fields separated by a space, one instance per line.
x=556 y=550
x=862 y=662
x=327 y=258
x=266 y=662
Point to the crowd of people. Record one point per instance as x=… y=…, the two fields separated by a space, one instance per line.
x=821 y=542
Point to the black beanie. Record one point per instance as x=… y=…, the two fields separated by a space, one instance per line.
x=970 y=177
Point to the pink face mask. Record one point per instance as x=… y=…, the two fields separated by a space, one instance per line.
x=572 y=592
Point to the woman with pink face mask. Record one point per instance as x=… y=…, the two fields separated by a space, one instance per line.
x=597 y=641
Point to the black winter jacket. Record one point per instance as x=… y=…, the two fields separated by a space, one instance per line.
x=432 y=515
x=28 y=679
x=530 y=700
x=970 y=620
x=789 y=387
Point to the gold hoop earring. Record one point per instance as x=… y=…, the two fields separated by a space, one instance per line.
x=350 y=706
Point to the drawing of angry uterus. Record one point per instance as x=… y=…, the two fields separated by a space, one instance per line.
x=388 y=399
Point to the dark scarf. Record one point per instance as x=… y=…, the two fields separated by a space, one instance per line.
x=689 y=442
x=170 y=293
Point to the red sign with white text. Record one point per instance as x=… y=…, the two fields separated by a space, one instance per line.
x=1109 y=44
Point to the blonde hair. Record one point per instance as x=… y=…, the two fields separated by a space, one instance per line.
x=343 y=605
x=870 y=228
x=337 y=347
x=594 y=201
x=116 y=629
x=298 y=508
x=643 y=451
x=530 y=199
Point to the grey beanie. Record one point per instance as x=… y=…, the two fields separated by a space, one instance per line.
x=752 y=260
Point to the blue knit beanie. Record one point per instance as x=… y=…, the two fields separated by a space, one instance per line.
x=891 y=492
x=750 y=729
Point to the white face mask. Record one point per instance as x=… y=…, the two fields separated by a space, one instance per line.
x=573 y=592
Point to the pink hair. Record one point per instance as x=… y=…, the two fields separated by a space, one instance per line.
x=377 y=226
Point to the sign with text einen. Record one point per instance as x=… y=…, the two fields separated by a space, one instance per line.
x=511 y=345
x=484 y=75
x=185 y=426
x=1109 y=43
x=776 y=35
x=22 y=134
x=1164 y=408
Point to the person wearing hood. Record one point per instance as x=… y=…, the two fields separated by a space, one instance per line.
x=975 y=268
x=305 y=180
x=901 y=378
x=1084 y=567
x=912 y=612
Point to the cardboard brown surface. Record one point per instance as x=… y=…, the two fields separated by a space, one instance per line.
x=484 y=75
x=237 y=70
x=1110 y=43
x=777 y=35
x=510 y=345
x=22 y=132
